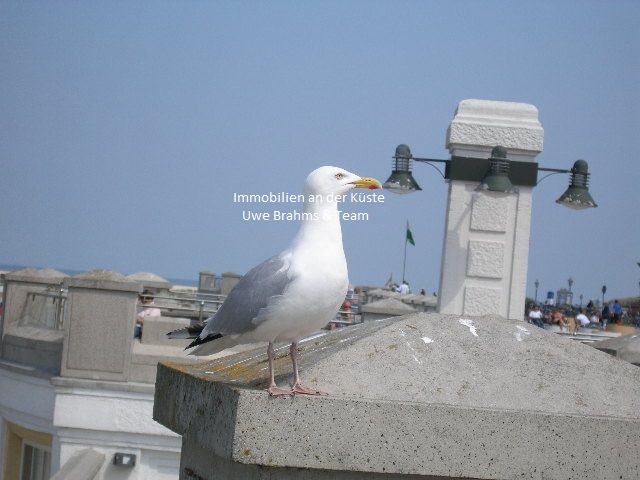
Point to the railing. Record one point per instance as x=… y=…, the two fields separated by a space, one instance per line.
x=31 y=315
x=347 y=317
x=187 y=304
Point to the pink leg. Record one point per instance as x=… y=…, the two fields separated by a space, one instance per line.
x=273 y=389
x=297 y=386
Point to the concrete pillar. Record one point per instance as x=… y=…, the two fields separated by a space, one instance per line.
x=229 y=280
x=98 y=325
x=207 y=282
x=486 y=240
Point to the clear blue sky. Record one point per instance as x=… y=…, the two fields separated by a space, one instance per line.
x=126 y=127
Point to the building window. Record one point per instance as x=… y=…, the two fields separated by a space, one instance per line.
x=36 y=462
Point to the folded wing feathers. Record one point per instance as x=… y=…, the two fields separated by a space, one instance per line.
x=191 y=331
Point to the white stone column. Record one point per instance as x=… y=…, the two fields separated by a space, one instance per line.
x=486 y=240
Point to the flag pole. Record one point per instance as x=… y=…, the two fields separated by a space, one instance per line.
x=404 y=261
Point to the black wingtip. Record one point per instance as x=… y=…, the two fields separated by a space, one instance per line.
x=200 y=341
x=191 y=331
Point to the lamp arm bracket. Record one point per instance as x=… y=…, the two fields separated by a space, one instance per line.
x=554 y=171
x=429 y=161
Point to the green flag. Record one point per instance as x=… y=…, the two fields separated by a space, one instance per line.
x=410 y=236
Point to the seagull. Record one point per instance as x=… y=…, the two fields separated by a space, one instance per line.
x=293 y=294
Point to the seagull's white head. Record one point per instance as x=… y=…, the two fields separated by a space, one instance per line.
x=336 y=181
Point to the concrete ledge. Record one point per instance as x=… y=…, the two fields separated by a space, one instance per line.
x=84 y=465
x=64 y=383
x=337 y=434
x=38 y=347
x=102 y=284
x=429 y=395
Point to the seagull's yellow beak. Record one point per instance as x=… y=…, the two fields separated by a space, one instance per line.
x=367 y=182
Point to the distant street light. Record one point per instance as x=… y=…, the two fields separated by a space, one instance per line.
x=604 y=290
x=537 y=284
x=581 y=297
x=570 y=295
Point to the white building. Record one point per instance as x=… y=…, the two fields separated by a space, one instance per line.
x=75 y=383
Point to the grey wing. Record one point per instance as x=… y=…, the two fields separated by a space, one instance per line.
x=252 y=293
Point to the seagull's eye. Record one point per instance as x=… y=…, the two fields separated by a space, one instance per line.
x=339 y=176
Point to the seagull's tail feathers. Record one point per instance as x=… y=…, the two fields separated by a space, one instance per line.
x=207 y=345
x=191 y=331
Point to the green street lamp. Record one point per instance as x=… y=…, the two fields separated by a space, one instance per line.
x=401 y=180
x=604 y=290
x=495 y=174
x=497 y=178
x=577 y=196
x=537 y=284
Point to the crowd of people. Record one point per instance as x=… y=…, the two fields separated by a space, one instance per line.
x=405 y=289
x=571 y=319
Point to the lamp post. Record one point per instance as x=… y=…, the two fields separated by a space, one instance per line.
x=537 y=284
x=581 y=297
x=490 y=173
x=604 y=290
x=570 y=295
x=494 y=174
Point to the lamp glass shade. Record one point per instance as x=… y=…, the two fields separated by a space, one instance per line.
x=401 y=182
x=497 y=183
x=577 y=196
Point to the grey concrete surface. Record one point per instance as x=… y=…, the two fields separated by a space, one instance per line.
x=424 y=394
x=203 y=465
x=625 y=348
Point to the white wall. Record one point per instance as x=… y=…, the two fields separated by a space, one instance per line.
x=109 y=420
x=116 y=421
